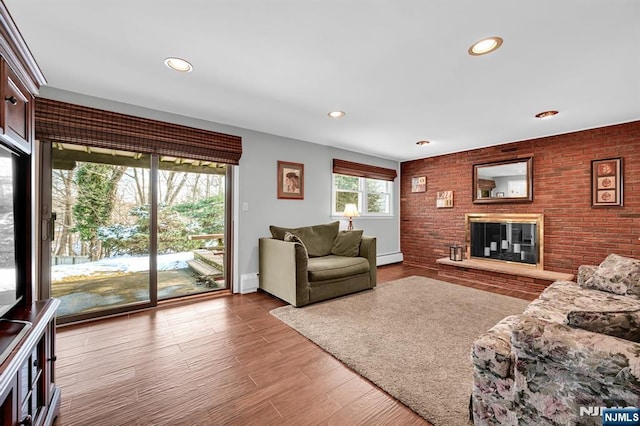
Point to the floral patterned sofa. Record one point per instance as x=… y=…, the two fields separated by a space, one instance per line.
x=577 y=345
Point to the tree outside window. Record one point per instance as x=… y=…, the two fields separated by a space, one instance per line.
x=372 y=196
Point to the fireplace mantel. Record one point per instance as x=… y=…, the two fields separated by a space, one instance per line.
x=508 y=269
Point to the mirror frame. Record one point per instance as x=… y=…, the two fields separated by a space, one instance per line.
x=528 y=179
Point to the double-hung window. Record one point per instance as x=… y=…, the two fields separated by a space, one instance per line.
x=368 y=187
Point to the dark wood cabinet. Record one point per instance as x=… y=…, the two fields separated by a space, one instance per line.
x=20 y=81
x=15 y=110
x=28 y=393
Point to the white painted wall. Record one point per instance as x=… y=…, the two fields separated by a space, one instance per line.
x=256 y=183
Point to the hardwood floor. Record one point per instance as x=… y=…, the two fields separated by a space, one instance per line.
x=222 y=361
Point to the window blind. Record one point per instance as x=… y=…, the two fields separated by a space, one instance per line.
x=63 y=122
x=350 y=168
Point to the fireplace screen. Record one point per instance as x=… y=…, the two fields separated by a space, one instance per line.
x=509 y=241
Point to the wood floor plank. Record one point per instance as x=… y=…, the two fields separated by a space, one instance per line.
x=219 y=361
x=350 y=391
x=321 y=367
x=305 y=410
x=374 y=408
x=228 y=411
x=255 y=414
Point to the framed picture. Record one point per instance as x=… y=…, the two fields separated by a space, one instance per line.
x=606 y=182
x=290 y=180
x=444 y=199
x=419 y=184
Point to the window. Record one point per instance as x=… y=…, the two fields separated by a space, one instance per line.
x=372 y=196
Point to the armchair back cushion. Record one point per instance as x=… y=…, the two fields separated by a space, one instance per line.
x=318 y=239
x=347 y=243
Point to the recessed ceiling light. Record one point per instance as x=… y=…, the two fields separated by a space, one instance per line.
x=422 y=143
x=484 y=46
x=178 y=64
x=337 y=114
x=546 y=114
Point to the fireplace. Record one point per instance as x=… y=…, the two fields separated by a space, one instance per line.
x=505 y=237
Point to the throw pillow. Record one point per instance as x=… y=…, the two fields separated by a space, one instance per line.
x=347 y=243
x=317 y=238
x=616 y=274
x=293 y=238
x=622 y=324
x=584 y=273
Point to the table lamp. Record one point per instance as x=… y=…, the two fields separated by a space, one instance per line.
x=350 y=211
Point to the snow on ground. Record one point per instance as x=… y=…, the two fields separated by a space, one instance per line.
x=166 y=262
x=7 y=279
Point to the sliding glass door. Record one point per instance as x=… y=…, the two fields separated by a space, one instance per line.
x=191 y=227
x=129 y=229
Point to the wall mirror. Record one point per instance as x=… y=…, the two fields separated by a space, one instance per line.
x=507 y=181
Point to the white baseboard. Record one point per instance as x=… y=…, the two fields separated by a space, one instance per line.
x=386 y=259
x=249 y=283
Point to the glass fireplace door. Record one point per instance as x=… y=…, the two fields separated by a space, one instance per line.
x=506 y=237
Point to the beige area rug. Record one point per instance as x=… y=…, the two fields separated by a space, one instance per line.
x=411 y=337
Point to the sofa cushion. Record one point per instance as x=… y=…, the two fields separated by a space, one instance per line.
x=293 y=238
x=317 y=238
x=622 y=324
x=347 y=243
x=562 y=297
x=616 y=274
x=334 y=267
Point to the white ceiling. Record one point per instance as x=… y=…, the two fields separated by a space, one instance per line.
x=399 y=68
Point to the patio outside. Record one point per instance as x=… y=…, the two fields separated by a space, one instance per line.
x=101 y=250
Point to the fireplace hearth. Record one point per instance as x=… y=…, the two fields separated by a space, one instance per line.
x=506 y=237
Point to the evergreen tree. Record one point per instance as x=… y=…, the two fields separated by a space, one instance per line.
x=97 y=185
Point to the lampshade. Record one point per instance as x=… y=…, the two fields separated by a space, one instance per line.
x=350 y=210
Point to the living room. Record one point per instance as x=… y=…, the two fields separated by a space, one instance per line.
x=466 y=127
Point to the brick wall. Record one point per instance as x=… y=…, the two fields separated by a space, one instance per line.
x=504 y=281
x=575 y=233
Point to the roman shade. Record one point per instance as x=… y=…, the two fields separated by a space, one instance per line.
x=63 y=122
x=486 y=184
x=363 y=170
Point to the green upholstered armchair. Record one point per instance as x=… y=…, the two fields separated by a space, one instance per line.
x=320 y=263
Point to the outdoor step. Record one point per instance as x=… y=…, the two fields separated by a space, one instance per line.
x=203 y=268
x=211 y=258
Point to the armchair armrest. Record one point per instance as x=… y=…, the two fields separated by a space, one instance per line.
x=491 y=351
x=368 y=249
x=605 y=359
x=283 y=270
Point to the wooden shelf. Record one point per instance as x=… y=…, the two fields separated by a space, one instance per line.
x=507 y=268
x=28 y=392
